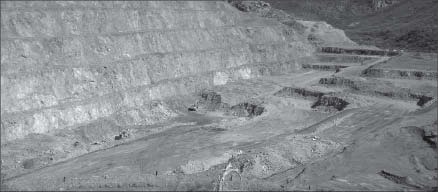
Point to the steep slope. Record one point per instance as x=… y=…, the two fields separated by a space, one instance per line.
x=410 y=25
x=203 y=96
x=337 y=13
x=403 y=24
x=319 y=33
x=65 y=64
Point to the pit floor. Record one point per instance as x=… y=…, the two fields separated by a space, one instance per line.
x=291 y=146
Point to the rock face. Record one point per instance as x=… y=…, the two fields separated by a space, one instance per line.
x=318 y=33
x=389 y=24
x=299 y=92
x=65 y=64
x=401 y=74
x=379 y=4
x=323 y=34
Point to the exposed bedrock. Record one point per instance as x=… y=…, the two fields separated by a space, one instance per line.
x=321 y=99
x=428 y=134
x=337 y=58
x=378 y=88
x=323 y=34
x=299 y=92
x=212 y=101
x=318 y=33
x=70 y=63
x=338 y=50
x=338 y=103
x=280 y=161
x=321 y=67
x=247 y=109
x=263 y=9
x=400 y=74
x=335 y=62
x=339 y=81
x=209 y=101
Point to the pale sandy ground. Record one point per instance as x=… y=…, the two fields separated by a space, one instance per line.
x=289 y=147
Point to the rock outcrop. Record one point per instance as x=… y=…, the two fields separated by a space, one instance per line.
x=401 y=74
x=379 y=4
x=321 y=33
x=318 y=33
x=65 y=64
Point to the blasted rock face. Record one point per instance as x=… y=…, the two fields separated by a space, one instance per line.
x=70 y=63
x=335 y=102
x=251 y=6
x=379 y=4
x=321 y=33
x=212 y=101
x=247 y=109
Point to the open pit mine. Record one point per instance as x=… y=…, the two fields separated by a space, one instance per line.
x=207 y=95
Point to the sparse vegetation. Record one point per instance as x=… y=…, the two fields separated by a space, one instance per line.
x=403 y=24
